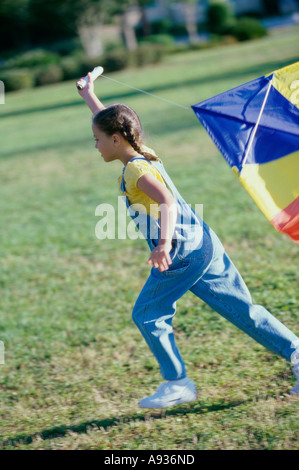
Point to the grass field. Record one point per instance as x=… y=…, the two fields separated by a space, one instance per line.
x=75 y=364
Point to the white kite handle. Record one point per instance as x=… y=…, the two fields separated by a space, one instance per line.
x=97 y=71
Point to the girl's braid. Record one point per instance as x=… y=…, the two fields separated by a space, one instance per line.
x=129 y=135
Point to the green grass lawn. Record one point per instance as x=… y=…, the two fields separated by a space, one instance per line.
x=75 y=364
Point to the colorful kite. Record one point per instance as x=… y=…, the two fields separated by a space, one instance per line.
x=256 y=128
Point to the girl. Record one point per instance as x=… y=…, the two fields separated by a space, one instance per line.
x=185 y=255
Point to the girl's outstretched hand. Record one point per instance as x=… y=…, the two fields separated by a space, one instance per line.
x=160 y=257
x=89 y=96
x=88 y=89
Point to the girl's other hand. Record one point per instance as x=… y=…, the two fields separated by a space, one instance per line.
x=160 y=257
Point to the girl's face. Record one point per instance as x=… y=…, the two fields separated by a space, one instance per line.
x=105 y=144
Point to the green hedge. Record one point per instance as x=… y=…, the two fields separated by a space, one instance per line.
x=17 y=79
x=247 y=28
x=41 y=67
x=163 y=27
x=159 y=39
x=222 y=22
x=33 y=58
x=146 y=54
x=71 y=68
x=219 y=16
x=50 y=74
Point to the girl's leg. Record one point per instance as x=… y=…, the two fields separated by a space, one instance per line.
x=223 y=289
x=152 y=314
x=154 y=311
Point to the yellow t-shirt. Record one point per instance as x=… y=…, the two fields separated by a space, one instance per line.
x=138 y=200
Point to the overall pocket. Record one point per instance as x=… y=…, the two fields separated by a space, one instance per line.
x=175 y=269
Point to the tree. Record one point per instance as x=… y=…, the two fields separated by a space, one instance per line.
x=127 y=29
x=144 y=21
x=89 y=23
x=190 y=14
x=14 y=18
x=219 y=17
x=131 y=12
x=88 y=17
x=189 y=7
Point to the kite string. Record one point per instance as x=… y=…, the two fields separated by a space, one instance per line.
x=147 y=93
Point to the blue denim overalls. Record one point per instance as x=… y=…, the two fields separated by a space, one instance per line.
x=201 y=265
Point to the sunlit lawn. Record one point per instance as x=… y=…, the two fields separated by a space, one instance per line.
x=75 y=364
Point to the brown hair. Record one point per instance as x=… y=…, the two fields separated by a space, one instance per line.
x=122 y=119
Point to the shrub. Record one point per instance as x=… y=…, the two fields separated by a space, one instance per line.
x=115 y=60
x=66 y=47
x=162 y=26
x=147 y=54
x=163 y=39
x=33 y=58
x=114 y=45
x=71 y=68
x=178 y=30
x=49 y=74
x=247 y=28
x=17 y=79
x=219 y=16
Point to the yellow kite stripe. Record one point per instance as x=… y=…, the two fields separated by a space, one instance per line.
x=273 y=185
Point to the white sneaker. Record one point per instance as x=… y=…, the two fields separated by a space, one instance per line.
x=171 y=393
x=295 y=390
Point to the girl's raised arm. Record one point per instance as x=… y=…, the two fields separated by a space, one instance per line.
x=90 y=98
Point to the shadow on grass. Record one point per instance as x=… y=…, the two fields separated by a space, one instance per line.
x=82 y=428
